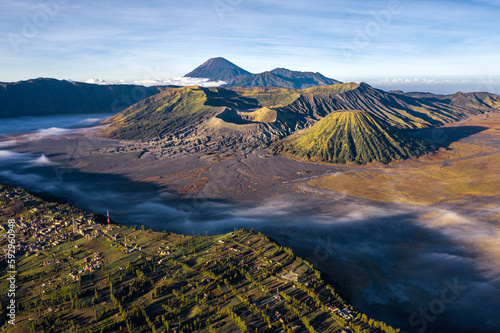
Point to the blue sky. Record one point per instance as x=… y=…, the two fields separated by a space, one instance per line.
x=443 y=45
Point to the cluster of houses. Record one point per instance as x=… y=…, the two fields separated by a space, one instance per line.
x=50 y=262
x=20 y=196
x=91 y=264
x=18 y=193
x=165 y=251
x=48 y=230
x=291 y=277
x=344 y=313
x=234 y=249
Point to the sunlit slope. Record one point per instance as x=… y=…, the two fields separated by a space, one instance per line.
x=351 y=136
x=182 y=110
x=397 y=110
x=467 y=170
x=269 y=96
x=171 y=111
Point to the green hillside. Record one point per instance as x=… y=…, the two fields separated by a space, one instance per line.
x=268 y=96
x=173 y=110
x=75 y=276
x=190 y=109
x=396 y=110
x=351 y=136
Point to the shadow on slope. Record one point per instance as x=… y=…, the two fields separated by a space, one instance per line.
x=445 y=136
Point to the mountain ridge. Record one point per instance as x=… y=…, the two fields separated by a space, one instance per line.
x=46 y=96
x=351 y=136
x=282 y=77
x=217 y=69
x=213 y=118
x=221 y=69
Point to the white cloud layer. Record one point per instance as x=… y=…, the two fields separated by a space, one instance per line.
x=47 y=132
x=7 y=154
x=178 y=81
x=42 y=161
x=7 y=143
x=439 y=85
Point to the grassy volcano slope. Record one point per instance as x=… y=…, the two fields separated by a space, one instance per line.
x=397 y=110
x=182 y=109
x=268 y=96
x=351 y=136
x=310 y=105
x=173 y=110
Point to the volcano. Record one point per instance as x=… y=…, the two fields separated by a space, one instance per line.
x=218 y=69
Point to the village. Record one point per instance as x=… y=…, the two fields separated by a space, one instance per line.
x=116 y=278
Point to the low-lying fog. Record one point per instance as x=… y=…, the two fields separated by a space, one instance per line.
x=424 y=269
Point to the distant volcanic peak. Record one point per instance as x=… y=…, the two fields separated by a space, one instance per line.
x=351 y=136
x=221 y=69
x=218 y=69
x=282 y=77
x=220 y=62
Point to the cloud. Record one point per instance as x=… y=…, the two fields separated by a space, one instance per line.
x=42 y=161
x=93 y=121
x=47 y=132
x=272 y=208
x=390 y=259
x=8 y=143
x=104 y=40
x=96 y=81
x=39 y=183
x=7 y=154
x=439 y=85
x=178 y=81
x=181 y=81
x=383 y=255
